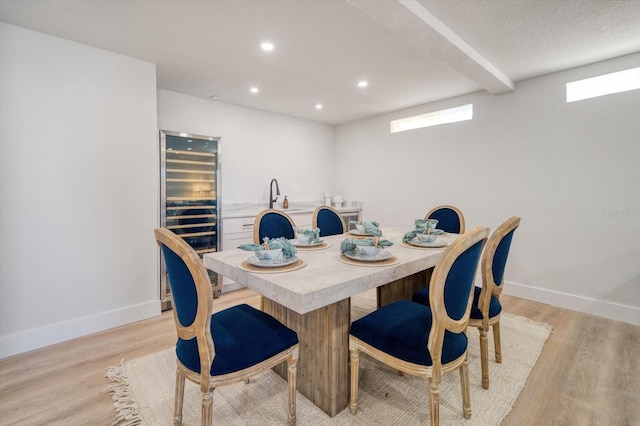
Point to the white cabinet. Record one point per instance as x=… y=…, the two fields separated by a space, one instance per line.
x=235 y=231
x=301 y=219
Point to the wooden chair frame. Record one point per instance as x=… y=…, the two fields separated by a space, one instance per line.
x=455 y=209
x=314 y=220
x=441 y=322
x=200 y=328
x=258 y=219
x=491 y=288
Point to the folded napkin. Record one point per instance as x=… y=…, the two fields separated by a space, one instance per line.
x=288 y=249
x=349 y=244
x=422 y=226
x=314 y=234
x=372 y=228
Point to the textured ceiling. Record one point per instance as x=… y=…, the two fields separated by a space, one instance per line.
x=410 y=51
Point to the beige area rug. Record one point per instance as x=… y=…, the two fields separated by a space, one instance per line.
x=143 y=389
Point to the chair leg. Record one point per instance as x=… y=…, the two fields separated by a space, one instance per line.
x=434 y=403
x=496 y=341
x=355 y=361
x=207 y=408
x=484 y=357
x=466 y=393
x=291 y=378
x=179 y=398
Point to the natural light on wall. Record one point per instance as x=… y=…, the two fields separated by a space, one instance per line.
x=616 y=82
x=450 y=115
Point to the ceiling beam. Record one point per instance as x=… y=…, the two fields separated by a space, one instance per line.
x=411 y=20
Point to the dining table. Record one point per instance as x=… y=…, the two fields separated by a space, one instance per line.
x=313 y=297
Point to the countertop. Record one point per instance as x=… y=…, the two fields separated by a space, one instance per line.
x=251 y=210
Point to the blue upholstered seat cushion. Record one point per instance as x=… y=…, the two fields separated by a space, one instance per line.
x=495 y=307
x=243 y=336
x=401 y=329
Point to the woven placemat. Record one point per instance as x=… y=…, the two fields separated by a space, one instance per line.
x=424 y=248
x=258 y=270
x=351 y=235
x=390 y=261
x=320 y=246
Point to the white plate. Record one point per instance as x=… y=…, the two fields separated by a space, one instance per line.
x=433 y=244
x=382 y=255
x=360 y=234
x=437 y=231
x=298 y=244
x=270 y=263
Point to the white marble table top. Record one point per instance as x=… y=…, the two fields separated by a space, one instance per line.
x=324 y=279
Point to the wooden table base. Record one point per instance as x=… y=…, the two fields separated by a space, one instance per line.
x=323 y=370
x=323 y=373
x=404 y=288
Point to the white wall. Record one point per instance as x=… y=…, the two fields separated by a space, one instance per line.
x=256 y=147
x=78 y=190
x=564 y=168
x=79 y=181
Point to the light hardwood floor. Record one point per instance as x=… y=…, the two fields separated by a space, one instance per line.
x=588 y=373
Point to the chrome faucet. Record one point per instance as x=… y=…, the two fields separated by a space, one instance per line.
x=271 y=199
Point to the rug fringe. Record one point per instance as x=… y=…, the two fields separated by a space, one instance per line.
x=123 y=400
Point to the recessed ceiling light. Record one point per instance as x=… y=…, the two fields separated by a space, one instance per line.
x=267 y=46
x=318 y=106
x=363 y=83
x=254 y=90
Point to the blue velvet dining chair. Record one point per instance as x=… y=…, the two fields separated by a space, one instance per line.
x=329 y=221
x=450 y=218
x=426 y=341
x=224 y=348
x=486 y=307
x=272 y=223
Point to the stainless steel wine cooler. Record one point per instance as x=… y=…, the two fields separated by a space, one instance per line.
x=190 y=197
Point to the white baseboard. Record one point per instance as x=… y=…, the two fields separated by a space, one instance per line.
x=40 y=337
x=610 y=310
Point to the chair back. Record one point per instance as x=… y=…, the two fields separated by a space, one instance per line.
x=191 y=293
x=450 y=218
x=494 y=261
x=272 y=223
x=329 y=221
x=451 y=287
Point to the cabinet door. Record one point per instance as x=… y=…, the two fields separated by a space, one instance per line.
x=235 y=231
